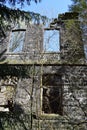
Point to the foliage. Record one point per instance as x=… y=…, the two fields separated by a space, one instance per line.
x=11 y=121
x=78 y=5
x=12 y=15
x=9 y=17
x=74 y=44
x=68 y=15
x=14 y=2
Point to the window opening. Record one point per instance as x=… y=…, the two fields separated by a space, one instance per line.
x=85 y=51
x=52 y=94
x=51 y=41
x=8 y=86
x=17 y=40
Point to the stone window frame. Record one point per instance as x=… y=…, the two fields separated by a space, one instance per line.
x=52 y=29
x=61 y=87
x=16 y=30
x=85 y=51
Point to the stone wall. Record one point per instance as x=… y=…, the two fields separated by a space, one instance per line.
x=28 y=97
x=72 y=47
x=32 y=51
x=32 y=78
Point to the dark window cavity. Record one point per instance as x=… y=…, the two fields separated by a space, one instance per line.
x=52 y=94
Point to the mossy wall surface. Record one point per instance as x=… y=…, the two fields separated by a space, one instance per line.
x=24 y=72
x=27 y=98
x=71 y=46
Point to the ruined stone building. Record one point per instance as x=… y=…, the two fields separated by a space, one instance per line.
x=43 y=77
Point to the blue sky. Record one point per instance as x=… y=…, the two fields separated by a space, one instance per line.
x=50 y=8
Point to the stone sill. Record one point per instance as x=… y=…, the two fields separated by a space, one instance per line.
x=39 y=63
x=22 y=53
x=30 y=62
x=51 y=117
x=51 y=53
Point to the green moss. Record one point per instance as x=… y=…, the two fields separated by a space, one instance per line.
x=69 y=24
x=73 y=45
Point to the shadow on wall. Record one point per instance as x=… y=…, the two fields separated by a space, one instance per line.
x=15 y=120
x=2 y=57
